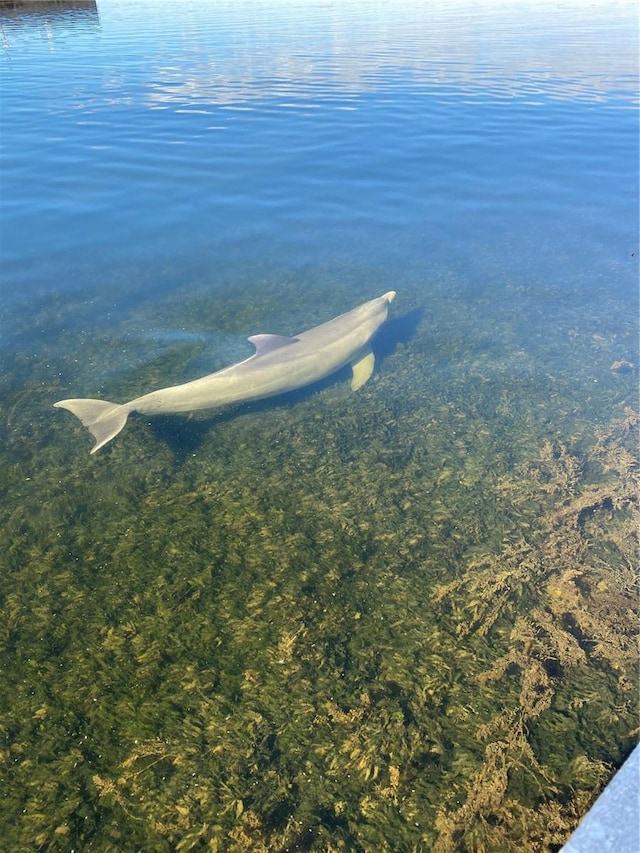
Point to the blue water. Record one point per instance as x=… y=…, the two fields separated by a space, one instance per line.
x=146 y=151
x=178 y=176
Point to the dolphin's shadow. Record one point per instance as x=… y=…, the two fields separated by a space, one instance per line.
x=185 y=437
x=398 y=330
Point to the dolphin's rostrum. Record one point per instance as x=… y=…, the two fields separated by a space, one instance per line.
x=279 y=364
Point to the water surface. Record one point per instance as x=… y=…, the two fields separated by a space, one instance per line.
x=334 y=619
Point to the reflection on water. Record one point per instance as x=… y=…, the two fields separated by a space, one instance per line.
x=306 y=52
x=45 y=17
x=332 y=619
x=481 y=49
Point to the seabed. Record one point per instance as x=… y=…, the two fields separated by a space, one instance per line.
x=403 y=619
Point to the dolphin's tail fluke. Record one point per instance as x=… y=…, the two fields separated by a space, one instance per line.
x=104 y=420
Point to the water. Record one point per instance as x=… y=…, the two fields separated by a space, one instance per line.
x=283 y=627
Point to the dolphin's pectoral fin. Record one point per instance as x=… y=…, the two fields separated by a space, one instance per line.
x=362 y=368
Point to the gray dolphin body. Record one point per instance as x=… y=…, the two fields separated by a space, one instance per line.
x=279 y=364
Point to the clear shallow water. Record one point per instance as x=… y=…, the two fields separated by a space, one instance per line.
x=174 y=183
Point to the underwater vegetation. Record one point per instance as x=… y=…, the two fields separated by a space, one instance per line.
x=400 y=620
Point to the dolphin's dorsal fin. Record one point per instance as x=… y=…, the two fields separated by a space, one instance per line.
x=267 y=343
x=362 y=368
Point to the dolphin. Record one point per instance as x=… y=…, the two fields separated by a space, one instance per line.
x=279 y=364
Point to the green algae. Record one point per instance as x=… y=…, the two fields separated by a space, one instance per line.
x=397 y=620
